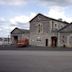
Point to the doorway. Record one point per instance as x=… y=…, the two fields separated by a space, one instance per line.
x=53 y=41
x=15 y=39
x=46 y=42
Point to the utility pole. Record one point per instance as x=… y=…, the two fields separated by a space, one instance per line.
x=8 y=39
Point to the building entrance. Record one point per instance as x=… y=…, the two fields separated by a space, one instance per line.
x=15 y=39
x=46 y=42
x=53 y=41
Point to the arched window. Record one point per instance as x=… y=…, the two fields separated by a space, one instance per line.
x=40 y=28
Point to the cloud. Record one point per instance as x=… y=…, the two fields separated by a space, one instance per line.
x=56 y=2
x=13 y=2
x=6 y=26
x=23 y=25
x=58 y=12
x=45 y=2
x=22 y=19
x=2 y=19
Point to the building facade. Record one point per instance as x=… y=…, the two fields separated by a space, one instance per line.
x=43 y=31
x=18 y=34
x=65 y=36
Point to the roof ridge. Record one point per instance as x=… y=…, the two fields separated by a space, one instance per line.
x=49 y=18
x=22 y=30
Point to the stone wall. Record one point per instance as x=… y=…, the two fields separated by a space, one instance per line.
x=50 y=28
x=65 y=39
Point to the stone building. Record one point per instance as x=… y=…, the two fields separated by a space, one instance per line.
x=65 y=36
x=43 y=30
x=18 y=34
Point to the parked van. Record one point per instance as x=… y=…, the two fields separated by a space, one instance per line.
x=23 y=42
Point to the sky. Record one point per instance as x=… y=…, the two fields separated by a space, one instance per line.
x=18 y=13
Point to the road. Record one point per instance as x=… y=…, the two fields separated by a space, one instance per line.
x=35 y=61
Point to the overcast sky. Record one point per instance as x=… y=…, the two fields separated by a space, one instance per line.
x=17 y=13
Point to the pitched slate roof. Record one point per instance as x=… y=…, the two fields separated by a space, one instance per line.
x=67 y=28
x=48 y=18
x=21 y=30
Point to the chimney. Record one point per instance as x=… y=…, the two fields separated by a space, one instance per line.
x=60 y=19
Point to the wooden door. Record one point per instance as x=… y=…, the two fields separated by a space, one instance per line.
x=53 y=41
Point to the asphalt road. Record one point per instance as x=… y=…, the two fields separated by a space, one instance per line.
x=35 y=61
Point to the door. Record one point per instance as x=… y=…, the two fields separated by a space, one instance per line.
x=53 y=41
x=46 y=42
x=15 y=39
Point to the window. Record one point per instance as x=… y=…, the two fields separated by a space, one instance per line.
x=63 y=41
x=55 y=25
x=63 y=36
x=40 y=28
x=61 y=26
x=52 y=22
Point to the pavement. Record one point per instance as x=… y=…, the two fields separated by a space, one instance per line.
x=35 y=61
x=13 y=47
